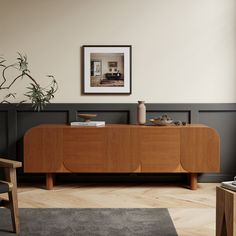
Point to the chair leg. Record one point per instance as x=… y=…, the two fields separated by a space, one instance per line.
x=14 y=212
x=13 y=201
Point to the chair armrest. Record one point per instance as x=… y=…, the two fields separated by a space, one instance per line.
x=10 y=185
x=9 y=163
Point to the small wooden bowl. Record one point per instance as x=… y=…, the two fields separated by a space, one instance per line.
x=87 y=117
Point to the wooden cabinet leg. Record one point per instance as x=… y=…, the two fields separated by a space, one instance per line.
x=193 y=181
x=49 y=181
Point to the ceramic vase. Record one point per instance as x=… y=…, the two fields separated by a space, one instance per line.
x=141 y=113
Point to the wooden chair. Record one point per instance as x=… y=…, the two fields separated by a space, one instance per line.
x=10 y=186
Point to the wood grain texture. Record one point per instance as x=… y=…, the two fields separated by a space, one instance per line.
x=12 y=202
x=200 y=150
x=121 y=148
x=49 y=181
x=85 y=150
x=225 y=212
x=9 y=163
x=43 y=150
x=158 y=150
x=193 y=181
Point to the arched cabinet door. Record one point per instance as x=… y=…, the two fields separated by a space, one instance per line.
x=98 y=149
x=157 y=148
x=43 y=151
x=84 y=149
x=120 y=150
x=200 y=149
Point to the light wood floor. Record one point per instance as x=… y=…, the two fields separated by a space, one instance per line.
x=193 y=212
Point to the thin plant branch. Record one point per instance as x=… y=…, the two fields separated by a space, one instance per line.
x=37 y=95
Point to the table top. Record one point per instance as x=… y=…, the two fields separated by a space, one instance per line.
x=124 y=126
x=226 y=190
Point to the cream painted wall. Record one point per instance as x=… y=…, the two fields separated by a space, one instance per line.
x=184 y=51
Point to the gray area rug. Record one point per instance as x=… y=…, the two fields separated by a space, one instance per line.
x=90 y=222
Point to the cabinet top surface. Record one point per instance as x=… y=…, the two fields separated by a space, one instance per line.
x=122 y=126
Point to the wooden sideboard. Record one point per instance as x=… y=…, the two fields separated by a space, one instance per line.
x=116 y=148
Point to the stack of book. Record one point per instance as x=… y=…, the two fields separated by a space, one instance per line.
x=231 y=185
x=89 y=123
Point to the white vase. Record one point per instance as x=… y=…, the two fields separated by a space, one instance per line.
x=141 y=113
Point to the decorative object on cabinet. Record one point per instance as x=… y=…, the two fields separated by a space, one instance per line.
x=141 y=113
x=39 y=96
x=88 y=123
x=117 y=148
x=107 y=69
x=165 y=119
x=87 y=117
x=179 y=122
x=231 y=185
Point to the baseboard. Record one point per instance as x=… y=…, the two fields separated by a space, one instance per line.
x=215 y=178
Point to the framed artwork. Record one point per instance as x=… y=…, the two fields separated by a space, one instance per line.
x=107 y=69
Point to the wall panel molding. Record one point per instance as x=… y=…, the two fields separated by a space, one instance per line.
x=4 y=125
x=16 y=120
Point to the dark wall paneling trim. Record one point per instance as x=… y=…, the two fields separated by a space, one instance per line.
x=12 y=133
x=4 y=140
x=225 y=124
x=221 y=116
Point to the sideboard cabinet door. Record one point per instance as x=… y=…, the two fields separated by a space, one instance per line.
x=120 y=151
x=158 y=149
x=200 y=149
x=43 y=150
x=85 y=149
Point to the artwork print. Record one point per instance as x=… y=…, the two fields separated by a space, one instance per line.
x=107 y=69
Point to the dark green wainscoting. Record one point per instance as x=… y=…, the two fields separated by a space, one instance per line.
x=16 y=120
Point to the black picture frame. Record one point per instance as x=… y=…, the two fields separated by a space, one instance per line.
x=115 y=63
